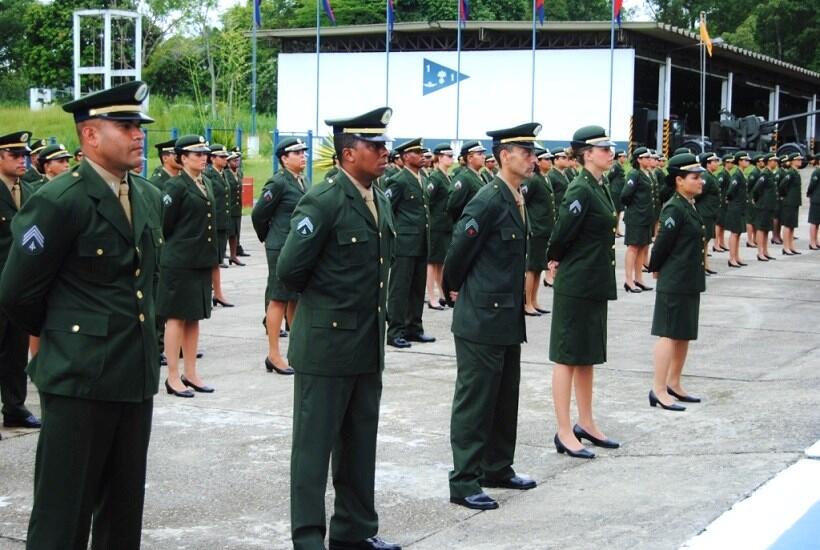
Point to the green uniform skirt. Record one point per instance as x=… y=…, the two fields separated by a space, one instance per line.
x=763 y=219
x=275 y=289
x=235 y=226
x=750 y=213
x=537 y=253
x=709 y=228
x=789 y=215
x=676 y=316
x=814 y=213
x=736 y=220
x=184 y=293
x=638 y=235
x=578 y=331
x=721 y=217
x=221 y=244
x=439 y=242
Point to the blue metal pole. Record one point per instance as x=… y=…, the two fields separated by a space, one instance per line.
x=238 y=137
x=174 y=133
x=209 y=132
x=275 y=145
x=310 y=158
x=253 y=79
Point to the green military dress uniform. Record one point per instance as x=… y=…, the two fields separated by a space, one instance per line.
x=80 y=275
x=541 y=210
x=13 y=340
x=337 y=256
x=559 y=182
x=222 y=200
x=724 y=177
x=751 y=179
x=617 y=180
x=813 y=194
x=677 y=257
x=664 y=192
x=466 y=182
x=708 y=201
x=790 y=190
x=765 y=199
x=235 y=202
x=736 y=199
x=47 y=154
x=160 y=176
x=583 y=241
x=271 y=220
x=408 y=273
x=637 y=198
x=441 y=225
x=32 y=175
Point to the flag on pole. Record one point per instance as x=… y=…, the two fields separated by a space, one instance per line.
x=257 y=13
x=617 y=10
x=391 y=16
x=704 y=34
x=539 y=9
x=463 y=11
x=329 y=11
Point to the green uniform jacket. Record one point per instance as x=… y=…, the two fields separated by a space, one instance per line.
x=222 y=198
x=7 y=212
x=637 y=198
x=486 y=176
x=235 y=198
x=751 y=179
x=272 y=211
x=438 y=191
x=338 y=258
x=35 y=185
x=559 y=182
x=724 y=177
x=583 y=240
x=790 y=187
x=32 y=175
x=813 y=192
x=662 y=191
x=79 y=276
x=191 y=243
x=617 y=179
x=765 y=193
x=677 y=255
x=485 y=264
x=779 y=174
x=159 y=178
x=465 y=186
x=411 y=216
x=736 y=193
x=708 y=202
x=540 y=199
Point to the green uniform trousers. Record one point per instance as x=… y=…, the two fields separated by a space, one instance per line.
x=334 y=416
x=89 y=470
x=484 y=420
x=405 y=297
x=13 y=361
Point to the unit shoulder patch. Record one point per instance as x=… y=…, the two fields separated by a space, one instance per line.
x=33 y=241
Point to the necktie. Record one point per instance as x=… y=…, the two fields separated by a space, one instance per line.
x=201 y=186
x=301 y=183
x=15 y=195
x=124 y=201
x=371 y=205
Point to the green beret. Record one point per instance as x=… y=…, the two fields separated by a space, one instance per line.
x=728 y=158
x=620 y=153
x=523 y=135
x=123 y=102
x=371 y=126
x=16 y=141
x=681 y=151
x=290 y=145
x=37 y=145
x=742 y=156
x=218 y=150
x=544 y=154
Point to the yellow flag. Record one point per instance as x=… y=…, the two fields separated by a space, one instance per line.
x=704 y=34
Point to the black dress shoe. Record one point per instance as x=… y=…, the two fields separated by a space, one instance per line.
x=235 y=261
x=373 y=543
x=642 y=286
x=717 y=249
x=222 y=303
x=684 y=398
x=172 y=391
x=710 y=271
x=763 y=259
x=442 y=302
x=547 y=284
x=541 y=310
x=561 y=448
x=200 y=389
x=273 y=368
x=741 y=264
x=730 y=264
x=654 y=401
x=242 y=254
x=751 y=245
x=283 y=333
x=223 y=265
x=431 y=306
x=785 y=252
x=795 y=252
x=532 y=314
x=521 y=483
x=399 y=343
x=480 y=501
x=633 y=289
x=814 y=247
x=31 y=422
x=605 y=443
x=163 y=361
x=199 y=355
x=776 y=242
x=421 y=338
x=770 y=257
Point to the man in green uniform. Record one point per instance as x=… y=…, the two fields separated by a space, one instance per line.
x=51 y=162
x=216 y=174
x=459 y=168
x=488 y=171
x=78 y=156
x=491 y=165
x=337 y=255
x=813 y=194
x=485 y=266
x=467 y=182
x=617 y=179
x=168 y=167
x=408 y=272
x=235 y=166
x=441 y=226
x=13 y=341
x=540 y=200
x=80 y=275
x=558 y=174
x=33 y=175
x=235 y=200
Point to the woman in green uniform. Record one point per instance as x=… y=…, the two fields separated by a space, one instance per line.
x=271 y=221
x=751 y=179
x=617 y=179
x=790 y=188
x=441 y=226
x=764 y=196
x=637 y=198
x=189 y=255
x=736 y=209
x=724 y=177
x=708 y=202
x=813 y=194
x=582 y=254
x=538 y=196
x=51 y=162
x=677 y=263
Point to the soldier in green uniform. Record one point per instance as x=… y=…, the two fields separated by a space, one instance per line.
x=426 y=164
x=789 y=189
x=51 y=162
x=408 y=198
x=665 y=192
x=491 y=164
x=394 y=166
x=677 y=263
x=724 y=177
x=708 y=201
x=656 y=201
x=736 y=209
x=617 y=179
x=779 y=174
x=813 y=194
x=487 y=171
x=215 y=174
x=14 y=342
x=235 y=166
x=168 y=167
x=235 y=210
x=540 y=201
x=33 y=175
x=764 y=196
x=751 y=179
x=337 y=255
x=572 y=165
x=78 y=156
x=558 y=175
x=460 y=167
x=271 y=221
x=582 y=253
x=80 y=274
x=467 y=181
x=637 y=198
x=485 y=266
x=441 y=226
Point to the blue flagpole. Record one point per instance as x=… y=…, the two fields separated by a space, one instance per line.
x=387 y=54
x=532 y=93
x=458 y=70
x=318 y=46
x=611 y=65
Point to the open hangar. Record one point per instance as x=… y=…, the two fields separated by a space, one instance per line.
x=657 y=70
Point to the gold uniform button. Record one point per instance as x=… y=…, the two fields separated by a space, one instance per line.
x=99 y=252
x=75 y=328
x=353 y=240
x=381 y=284
x=513 y=235
x=613 y=262
x=209 y=239
x=209 y=214
x=381 y=260
x=335 y=324
x=495 y=304
x=379 y=308
x=137 y=272
x=209 y=227
x=142 y=318
x=139 y=294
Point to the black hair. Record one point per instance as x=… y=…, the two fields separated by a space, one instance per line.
x=342 y=142
x=578 y=153
x=497 y=151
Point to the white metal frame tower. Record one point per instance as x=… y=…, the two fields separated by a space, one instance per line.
x=106 y=70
